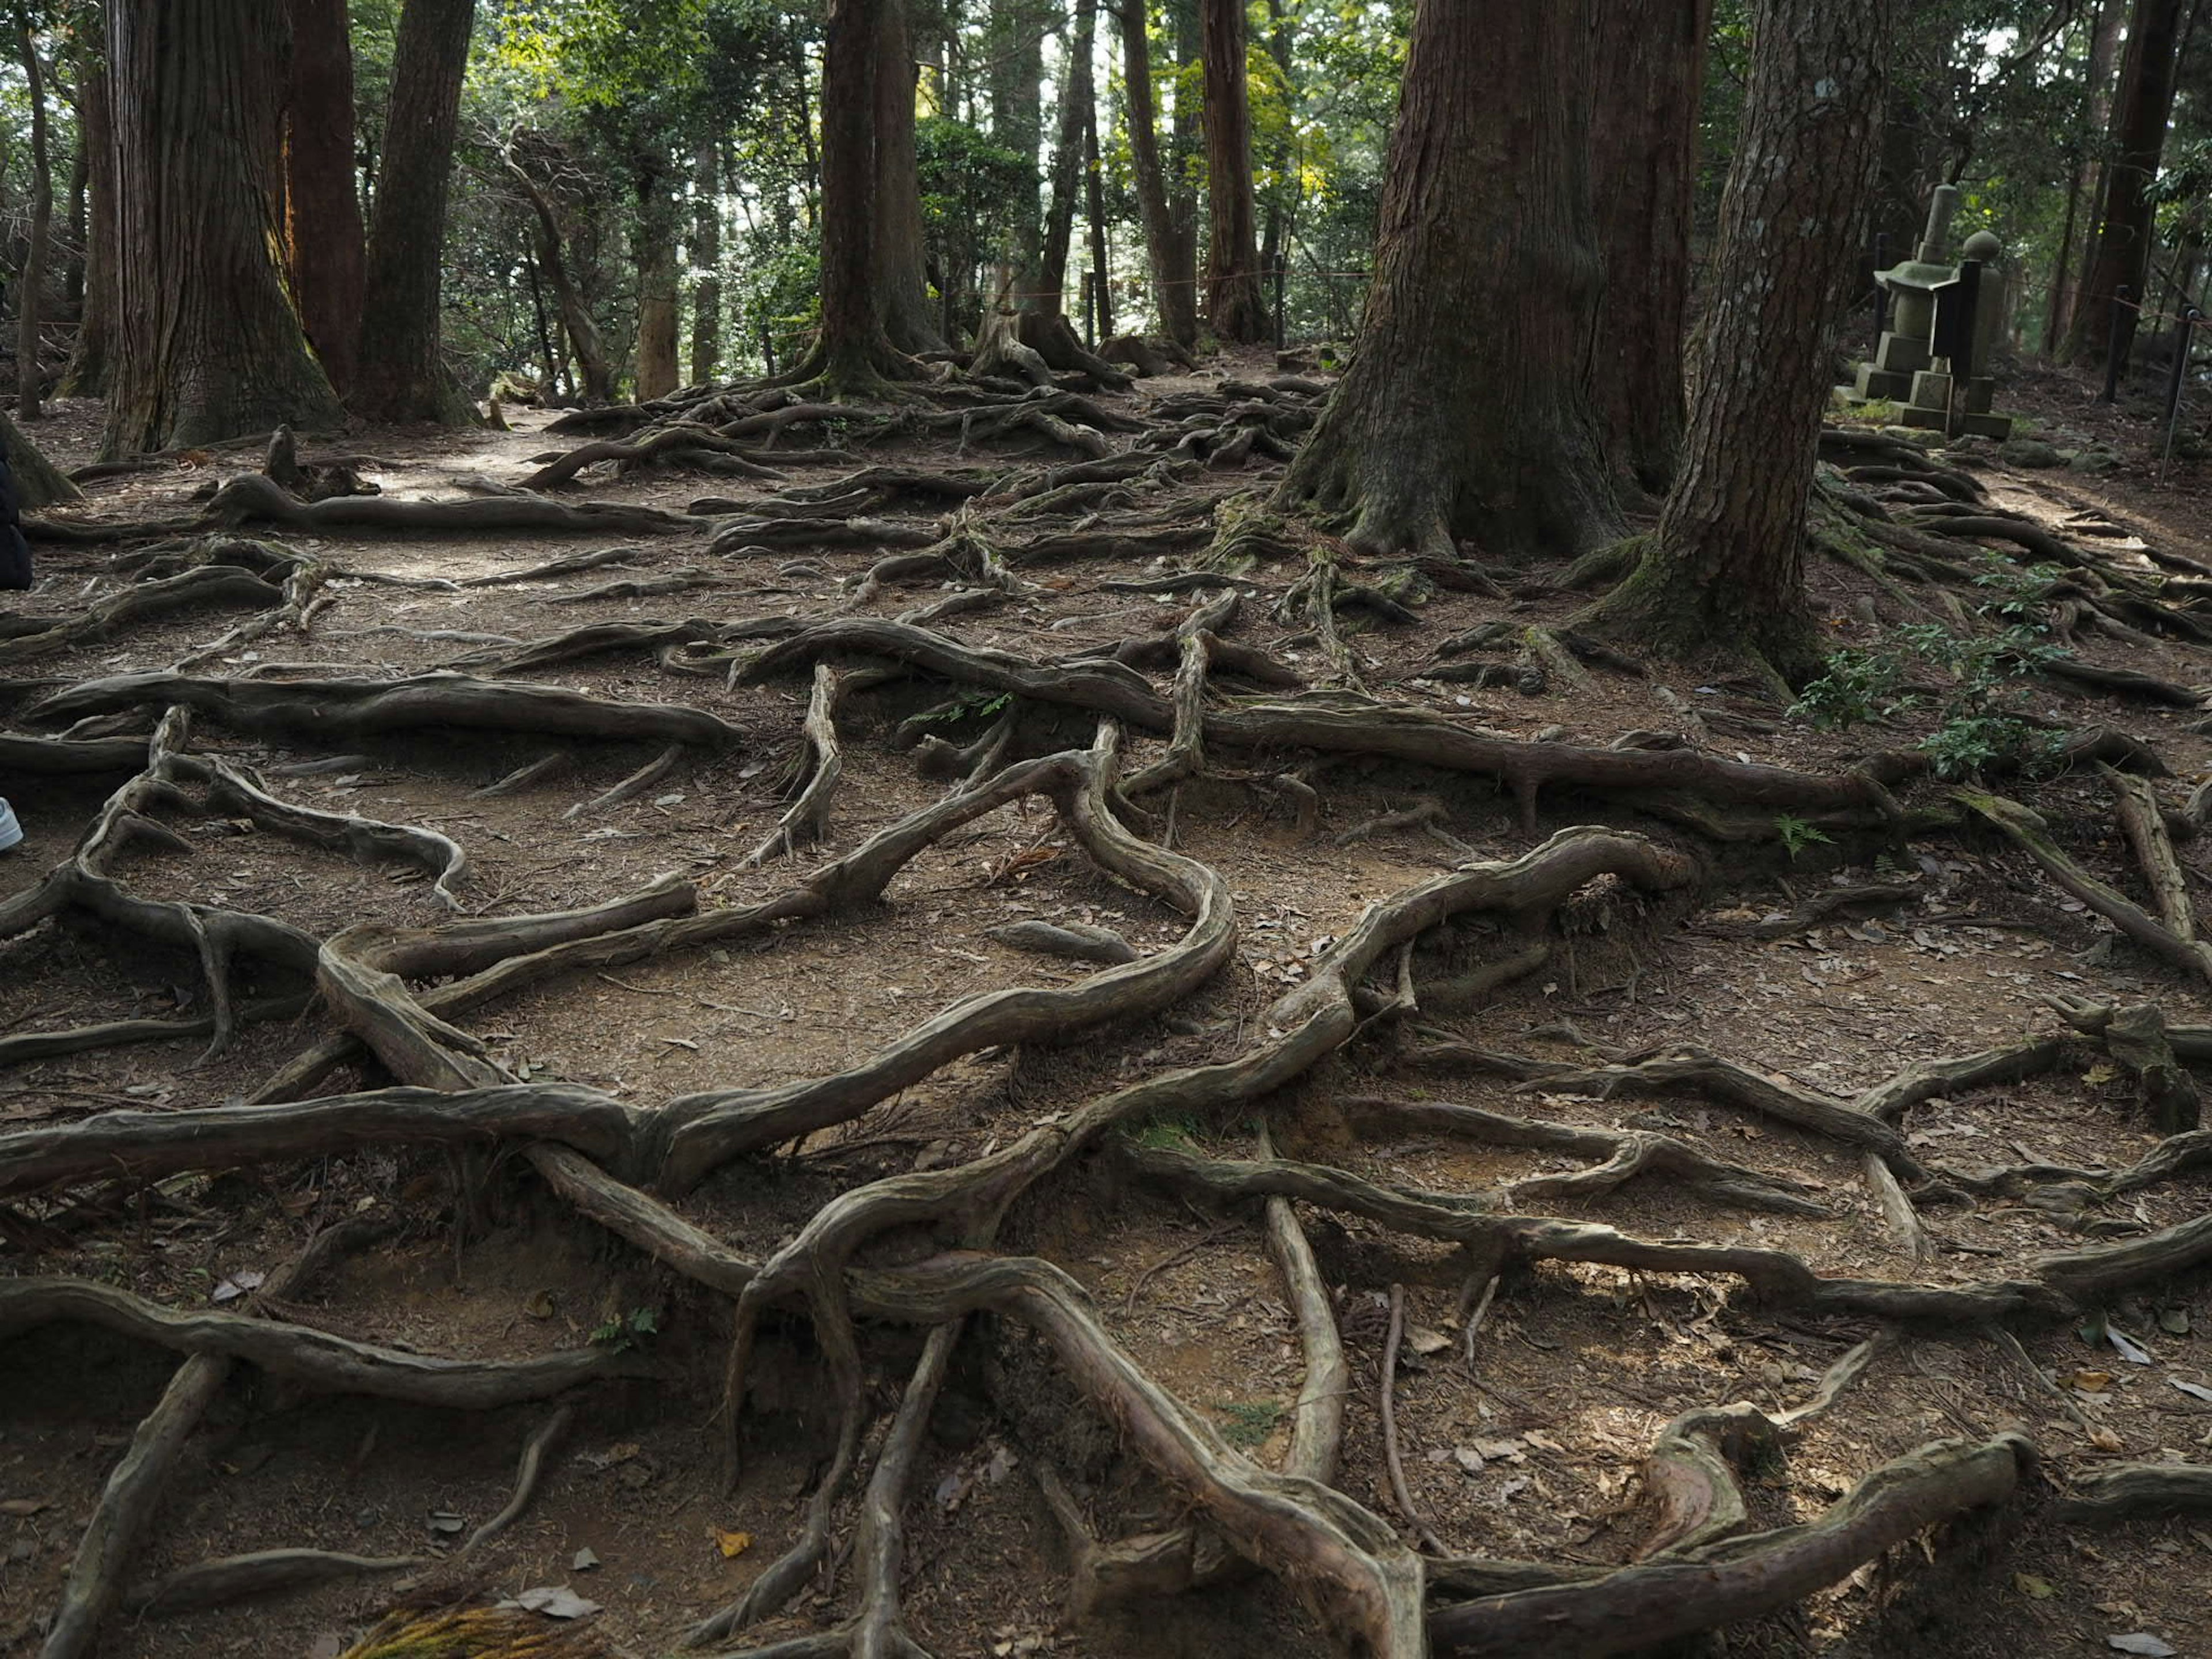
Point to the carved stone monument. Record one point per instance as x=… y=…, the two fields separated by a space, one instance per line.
x=1946 y=322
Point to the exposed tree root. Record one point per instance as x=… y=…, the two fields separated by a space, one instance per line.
x=229 y=1579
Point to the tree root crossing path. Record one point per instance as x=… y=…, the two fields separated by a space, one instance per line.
x=982 y=1042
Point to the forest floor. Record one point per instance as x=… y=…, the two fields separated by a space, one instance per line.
x=1528 y=1440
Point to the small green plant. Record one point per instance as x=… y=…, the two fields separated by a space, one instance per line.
x=981 y=706
x=1169 y=1134
x=1250 y=1421
x=2018 y=593
x=622 y=1334
x=1797 y=835
x=1860 y=684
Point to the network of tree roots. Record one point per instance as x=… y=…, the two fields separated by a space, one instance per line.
x=983 y=1045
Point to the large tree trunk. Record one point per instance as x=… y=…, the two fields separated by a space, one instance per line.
x=657 y=374
x=854 y=355
x=1186 y=157
x=1164 y=250
x=2104 y=49
x=2124 y=232
x=325 y=243
x=87 y=375
x=706 y=256
x=1069 y=177
x=1725 y=572
x=1464 y=414
x=900 y=258
x=402 y=377
x=208 y=345
x=1643 y=148
x=1016 y=47
x=38 y=482
x=30 y=378
x=1235 y=303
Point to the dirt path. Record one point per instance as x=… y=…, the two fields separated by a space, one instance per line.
x=1246 y=895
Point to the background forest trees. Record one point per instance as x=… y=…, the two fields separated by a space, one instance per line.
x=612 y=197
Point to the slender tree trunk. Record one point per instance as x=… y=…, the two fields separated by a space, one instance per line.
x=208 y=344
x=584 y=337
x=1186 y=139
x=2125 y=232
x=1275 y=221
x=1465 y=415
x=556 y=362
x=1069 y=178
x=1017 y=124
x=87 y=375
x=401 y=375
x=1236 y=301
x=1164 y=250
x=1644 y=154
x=2104 y=48
x=325 y=243
x=1094 y=211
x=30 y=377
x=706 y=256
x=655 y=241
x=1725 y=572
x=901 y=259
x=73 y=268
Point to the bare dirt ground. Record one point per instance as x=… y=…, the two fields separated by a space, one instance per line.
x=1529 y=1438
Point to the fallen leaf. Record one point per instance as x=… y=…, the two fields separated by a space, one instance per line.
x=556 y=1601
x=540 y=1305
x=2105 y=1440
x=1421 y=1339
x=2090 y=1382
x=329 y=1645
x=2028 y=1584
x=2195 y=1390
x=1534 y=1438
x=2174 y=1321
x=584 y=1560
x=444 y=1521
x=237 y=1285
x=2127 y=1348
x=2142 y=1642
x=732 y=1544
x=22 y=1506
x=2097 y=1075
x=1469 y=1459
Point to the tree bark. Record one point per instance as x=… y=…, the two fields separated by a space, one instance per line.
x=854 y=356
x=30 y=378
x=402 y=377
x=1164 y=250
x=1094 y=210
x=208 y=344
x=706 y=256
x=1464 y=414
x=325 y=243
x=1186 y=138
x=1643 y=153
x=1018 y=123
x=1725 y=572
x=2104 y=48
x=1069 y=175
x=656 y=279
x=900 y=258
x=1236 y=302
x=2124 y=231
x=584 y=338
x=87 y=375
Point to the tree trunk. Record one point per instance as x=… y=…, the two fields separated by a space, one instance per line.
x=73 y=217
x=30 y=377
x=39 y=482
x=584 y=338
x=1094 y=211
x=2125 y=232
x=1185 y=140
x=900 y=258
x=1464 y=414
x=1725 y=572
x=1643 y=152
x=325 y=244
x=207 y=344
x=1236 y=302
x=1069 y=177
x=1017 y=41
x=706 y=257
x=1164 y=250
x=87 y=375
x=2104 y=48
x=402 y=377
x=854 y=355
x=657 y=374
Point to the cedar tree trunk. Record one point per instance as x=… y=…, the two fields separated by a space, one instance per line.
x=402 y=377
x=1236 y=302
x=324 y=241
x=656 y=287
x=705 y=253
x=207 y=343
x=1723 y=575
x=2104 y=48
x=38 y=482
x=1016 y=47
x=87 y=375
x=1643 y=152
x=1068 y=174
x=1166 y=252
x=1094 y=211
x=854 y=355
x=584 y=340
x=900 y=257
x=2125 y=232
x=30 y=377
x=1464 y=414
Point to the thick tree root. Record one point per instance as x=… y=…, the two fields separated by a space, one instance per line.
x=229 y=1578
